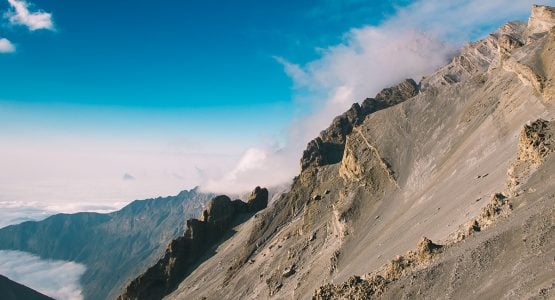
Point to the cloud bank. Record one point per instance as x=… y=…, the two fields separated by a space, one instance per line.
x=412 y=43
x=15 y=212
x=54 y=278
x=6 y=46
x=21 y=15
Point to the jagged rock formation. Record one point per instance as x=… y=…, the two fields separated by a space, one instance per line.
x=11 y=290
x=115 y=246
x=258 y=200
x=536 y=142
x=220 y=215
x=541 y=20
x=378 y=180
x=329 y=146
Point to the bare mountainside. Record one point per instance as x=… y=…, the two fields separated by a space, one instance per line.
x=464 y=159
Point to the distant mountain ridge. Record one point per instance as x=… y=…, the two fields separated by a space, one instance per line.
x=114 y=246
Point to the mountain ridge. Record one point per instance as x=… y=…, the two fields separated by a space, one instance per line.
x=422 y=167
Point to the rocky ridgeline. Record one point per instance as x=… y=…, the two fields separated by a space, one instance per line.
x=218 y=218
x=495 y=50
x=328 y=148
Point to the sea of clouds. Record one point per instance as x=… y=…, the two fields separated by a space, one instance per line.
x=54 y=278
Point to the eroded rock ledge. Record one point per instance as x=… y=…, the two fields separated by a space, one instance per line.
x=372 y=285
x=218 y=218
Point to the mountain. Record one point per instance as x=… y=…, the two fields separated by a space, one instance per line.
x=441 y=189
x=220 y=215
x=115 y=246
x=11 y=290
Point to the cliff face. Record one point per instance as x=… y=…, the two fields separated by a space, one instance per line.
x=218 y=218
x=431 y=159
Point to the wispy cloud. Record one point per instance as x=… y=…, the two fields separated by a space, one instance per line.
x=21 y=15
x=54 y=278
x=411 y=43
x=295 y=72
x=6 y=46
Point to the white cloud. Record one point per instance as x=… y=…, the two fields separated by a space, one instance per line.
x=299 y=76
x=55 y=278
x=412 y=43
x=255 y=166
x=21 y=15
x=6 y=46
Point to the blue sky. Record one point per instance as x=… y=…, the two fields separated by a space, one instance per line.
x=221 y=94
x=123 y=68
x=177 y=54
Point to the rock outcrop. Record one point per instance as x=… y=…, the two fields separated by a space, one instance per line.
x=373 y=285
x=542 y=19
x=536 y=142
x=217 y=219
x=258 y=199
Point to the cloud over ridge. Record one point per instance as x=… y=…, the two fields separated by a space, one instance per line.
x=412 y=43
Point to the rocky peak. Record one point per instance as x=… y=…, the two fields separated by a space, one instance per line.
x=542 y=19
x=407 y=89
x=258 y=199
x=218 y=212
x=328 y=148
